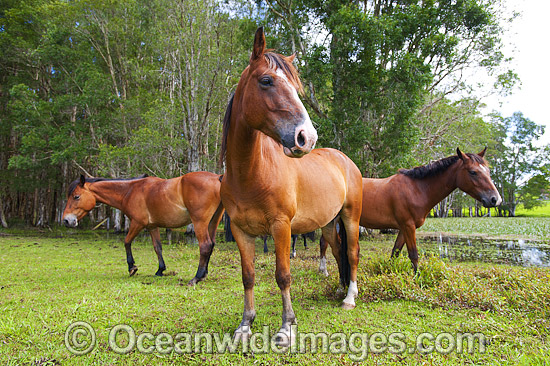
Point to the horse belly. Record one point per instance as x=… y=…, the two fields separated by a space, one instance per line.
x=318 y=214
x=171 y=217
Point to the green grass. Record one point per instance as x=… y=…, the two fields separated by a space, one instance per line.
x=510 y=227
x=50 y=280
x=541 y=211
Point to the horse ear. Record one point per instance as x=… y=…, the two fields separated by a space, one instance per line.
x=460 y=154
x=259 y=45
x=482 y=153
x=291 y=57
x=82 y=180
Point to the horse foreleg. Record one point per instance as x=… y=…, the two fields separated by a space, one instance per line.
x=322 y=256
x=399 y=242
x=132 y=233
x=409 y=233
x=286 y=336
x=155 y=236
x=246 y=244
x=206 y=246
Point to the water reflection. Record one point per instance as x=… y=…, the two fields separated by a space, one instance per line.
x=516 y=252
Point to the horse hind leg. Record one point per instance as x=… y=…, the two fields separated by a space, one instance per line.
x=330 y=237
x=293 y=252
x=350 y=236
x=155 y=237
x=265 y=244
x=322 y=256
x=409 y=234
x=399 y=242
x=206 y=246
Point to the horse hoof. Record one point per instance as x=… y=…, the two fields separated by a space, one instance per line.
x=348 y=306
x=324 y=272
x=193 y=282
x=284 y=338
x=133 y=271
x=242 y=334
x=159 y=274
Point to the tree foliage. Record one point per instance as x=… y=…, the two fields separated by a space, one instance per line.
x=518 y=158
x=120 y=88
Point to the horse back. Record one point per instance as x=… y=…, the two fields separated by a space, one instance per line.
x=390 y=202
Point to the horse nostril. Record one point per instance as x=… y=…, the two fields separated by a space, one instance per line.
x=301 y=139
x=494 y=200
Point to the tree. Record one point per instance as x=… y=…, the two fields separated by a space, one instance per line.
x=517 y=159
x=382 y=65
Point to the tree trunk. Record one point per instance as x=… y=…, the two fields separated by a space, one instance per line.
x=3 y=221
x=117 y=222
x=512 y=210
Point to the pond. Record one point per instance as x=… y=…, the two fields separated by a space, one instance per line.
x=520 y=252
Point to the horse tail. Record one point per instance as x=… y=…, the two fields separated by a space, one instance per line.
x=345 y=267
x=227 y=224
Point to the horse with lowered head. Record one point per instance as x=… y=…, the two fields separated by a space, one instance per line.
x=151 y=203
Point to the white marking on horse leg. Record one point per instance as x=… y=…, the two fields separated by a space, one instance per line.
x=349 y=301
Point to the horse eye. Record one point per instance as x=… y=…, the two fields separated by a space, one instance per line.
x=266 y=81
x=472 y=172
x=77 y=197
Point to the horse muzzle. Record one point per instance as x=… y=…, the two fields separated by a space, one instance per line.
x=70 y=220
x=491 y=199
x=300 y=142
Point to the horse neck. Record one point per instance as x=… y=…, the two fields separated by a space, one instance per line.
x=110 y=192
x=438 y=187
x=249 y=151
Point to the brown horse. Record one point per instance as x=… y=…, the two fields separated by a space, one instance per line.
x=276 y=184
x=403 y=200
x=152 y=203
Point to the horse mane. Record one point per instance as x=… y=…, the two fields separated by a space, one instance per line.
x=437 y=167
x=274 y=61
x=76 y=182
x=225 y=128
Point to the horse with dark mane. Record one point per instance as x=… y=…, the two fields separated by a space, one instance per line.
x=151 y=203
x=404 y=200
x=276 y=184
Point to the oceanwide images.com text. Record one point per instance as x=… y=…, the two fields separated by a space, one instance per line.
x=80 y=339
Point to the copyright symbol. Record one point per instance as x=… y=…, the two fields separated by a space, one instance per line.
x=80 y=338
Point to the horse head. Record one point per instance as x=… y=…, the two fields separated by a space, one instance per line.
x=80 y=201
x=268 y=92
x=474 y=178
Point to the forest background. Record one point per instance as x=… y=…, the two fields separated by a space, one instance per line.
x=120 y=88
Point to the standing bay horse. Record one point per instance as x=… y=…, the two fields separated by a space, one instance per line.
x=276 y=184
x=404 y=200
x=152 y=203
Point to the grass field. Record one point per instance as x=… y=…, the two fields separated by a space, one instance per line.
x=50 y=280
x=541 y=211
